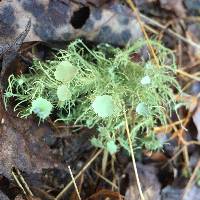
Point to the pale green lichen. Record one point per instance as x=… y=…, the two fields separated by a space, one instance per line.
x=146 y=80
x=142 y=109
x=95 y=87
x=41 y=107
x=65 y=71
x=63 y=93
x=103 y=106
x=111 y=147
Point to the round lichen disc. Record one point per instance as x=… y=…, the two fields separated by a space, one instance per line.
x=63 y=93
x=111 y=147
x=103 y=106
x=142 y=109
x=41 y=107
x=65 y=71
x=145 y=80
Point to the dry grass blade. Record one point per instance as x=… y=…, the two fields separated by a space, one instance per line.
x=74 y=182
x=133 y=159
x=21 y=182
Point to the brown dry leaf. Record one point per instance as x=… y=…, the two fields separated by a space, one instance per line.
x=3 y=196
x=149 y=182
x=193 y=33
x=20 y=197
x=193 y=7
x=176 y=6
x=96 y=3
x=140 y=3
x=155 y=156
x=12 y=152
x=174 y=193
x=65 y=21
x=105 y=194
x=196 y=120
x=20 y=148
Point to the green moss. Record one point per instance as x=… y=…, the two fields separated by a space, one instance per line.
x=94 y=87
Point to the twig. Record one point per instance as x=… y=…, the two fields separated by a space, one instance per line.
x=21 y=182
x=74 y=182
x=133 y=158
x=166 y=128
x=143 y=30
x=106 y=180
x=161 y=26
x=186 y=158
x=180 y=151
x=174 y=156
x=188 y=75
x=104 y=161
x=77 y=176
x=191 y=180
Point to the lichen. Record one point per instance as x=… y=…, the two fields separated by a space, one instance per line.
x=94 y=88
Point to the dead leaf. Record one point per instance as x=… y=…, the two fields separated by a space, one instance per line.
x=193 y=7
x=20 y=148
x=193 y=33
x=149 y=182
x=96 y=3
x=196 y=120
x=20 y=197
x=174 y=193
x=10 y=53
x=105 y=194
x=3 y=196
x=58 y=21
x=141 y=3
x=175 y=6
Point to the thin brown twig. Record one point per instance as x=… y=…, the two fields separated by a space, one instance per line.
x=106 y=180
x=168 y=127
x=180 y=151
x=174 y=157
x=191 y=76
x=189 y=184
x=59 y=196
x=170 y=31
x=132 y=6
